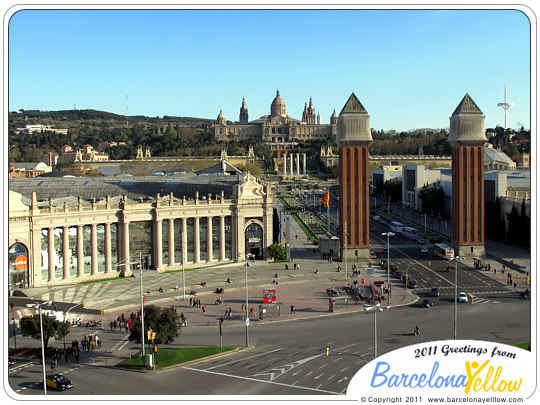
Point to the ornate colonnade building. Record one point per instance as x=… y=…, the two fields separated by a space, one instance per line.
x=195 y=221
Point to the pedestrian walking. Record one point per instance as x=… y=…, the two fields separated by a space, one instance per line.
x=204 y=309
x=293 y=309
x=53 y=365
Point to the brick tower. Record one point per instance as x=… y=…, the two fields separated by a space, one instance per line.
x=353 y=138
x=467 y=137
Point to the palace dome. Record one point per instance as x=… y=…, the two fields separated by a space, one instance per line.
x=278 y=106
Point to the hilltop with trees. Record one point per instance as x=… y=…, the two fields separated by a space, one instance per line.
x=119 y=136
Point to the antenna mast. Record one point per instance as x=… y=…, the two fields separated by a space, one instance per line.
x=505 y=106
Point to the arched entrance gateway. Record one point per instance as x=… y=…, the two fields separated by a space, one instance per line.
x=254 y=240
x=18 y=266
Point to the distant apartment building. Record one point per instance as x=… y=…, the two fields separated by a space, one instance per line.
x=31 y=169
x=70 y=155
x=496 y=159
x=524 y=161
x=30 y=129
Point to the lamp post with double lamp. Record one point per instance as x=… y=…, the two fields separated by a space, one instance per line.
x=247 y=255
x=388 y=234
x=457 y=259
x=375 y=308
x=127 y=263
x=66 y=314
x=39 y=306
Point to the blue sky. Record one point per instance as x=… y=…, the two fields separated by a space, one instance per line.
x=409 y=68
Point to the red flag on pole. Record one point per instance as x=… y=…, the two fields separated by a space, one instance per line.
x=325 y=200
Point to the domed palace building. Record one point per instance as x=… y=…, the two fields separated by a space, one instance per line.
x=278 y=129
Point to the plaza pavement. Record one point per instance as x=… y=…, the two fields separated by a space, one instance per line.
x=301 y=288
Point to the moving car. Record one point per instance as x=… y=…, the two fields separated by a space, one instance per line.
x=427 y=304
x=424 y=249
x=421 y=241
x=462 y=297
x=373 y=255
x=435 y=292
x=58 y=382
x=412 y=284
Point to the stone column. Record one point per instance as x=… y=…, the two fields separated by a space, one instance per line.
x=93 y=238
x=65 y=251
x=305 y=164
x=221 y=238
x=80 y=251
x=158 y=243
x=52 y=264
x=108 y=262
x=124 y=236
x=184 y=240
x=171 y=241
x=196 y=240
x=298 y=164
x=209 y=255
x=284 y=164
x=292 y=165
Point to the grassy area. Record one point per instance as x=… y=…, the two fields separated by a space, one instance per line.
x=170 y=357
x=103 y=279
x=526 y=346
x=305 y=228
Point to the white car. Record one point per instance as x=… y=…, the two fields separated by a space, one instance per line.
x=462 y=297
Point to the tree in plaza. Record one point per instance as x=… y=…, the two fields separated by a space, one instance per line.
x=277 y=251
x=513 y=235
x=525 y=226
x=52 y=328
x=163 y=321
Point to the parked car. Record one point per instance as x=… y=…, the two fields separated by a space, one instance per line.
x=393 y=268
x=462 y=297
x=427 y=304
x=435 y=292
x=424 y=249
x=412 y=284
x=58 y=382
x=397 y=274
x=421 y=241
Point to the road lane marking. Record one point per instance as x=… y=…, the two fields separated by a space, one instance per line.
x=259 y=381
x=236 y=361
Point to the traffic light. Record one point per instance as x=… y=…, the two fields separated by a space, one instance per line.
x=148 y=335
x=327 y=351
x=155 y=348
x=153 y=335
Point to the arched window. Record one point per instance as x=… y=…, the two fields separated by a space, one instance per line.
x=18 y=266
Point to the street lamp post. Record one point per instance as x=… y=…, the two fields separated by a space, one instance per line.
x=66 y=314
x=247 y=302
x=407 y=275
x=39 y=306
x=345 y=248
x=388 y=234
x=457 y=259
x=375 y=308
